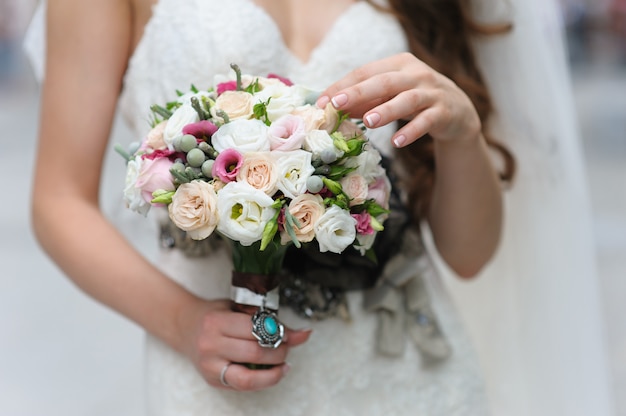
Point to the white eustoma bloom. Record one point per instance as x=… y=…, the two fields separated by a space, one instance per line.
x=243 y=212
x=335 y=230
x=367 y=164
x=317 y=141
x=186 y=98
x=243 y=136
x=132 y=194
x=294 y=168
x=185 y=114
x=283 y=99
x=365 y=242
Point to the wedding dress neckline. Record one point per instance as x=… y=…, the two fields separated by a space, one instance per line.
x=315 y=52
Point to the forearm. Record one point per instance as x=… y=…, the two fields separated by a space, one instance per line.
x=104 y=265
x=466 y=207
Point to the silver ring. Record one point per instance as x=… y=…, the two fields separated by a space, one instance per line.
x=223 y=375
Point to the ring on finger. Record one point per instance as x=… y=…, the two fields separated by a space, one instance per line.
x=223 y=375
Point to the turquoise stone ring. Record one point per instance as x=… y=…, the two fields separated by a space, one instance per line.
x=267 y=329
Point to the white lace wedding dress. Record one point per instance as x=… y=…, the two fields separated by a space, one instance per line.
x=537 y=359
x=338 y=371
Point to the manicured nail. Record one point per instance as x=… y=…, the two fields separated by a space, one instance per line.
x=322 y=101
x=399 y=141
x=372 y=119
x=285 y=368
x=339 y=100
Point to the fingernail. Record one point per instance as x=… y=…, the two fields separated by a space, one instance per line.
x=322 y=101
x=399 y=141
x=372 y=119
x=285 y=368
x=339 y=100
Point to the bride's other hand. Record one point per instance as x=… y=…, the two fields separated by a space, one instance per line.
x=402 y=87
x=213 y=336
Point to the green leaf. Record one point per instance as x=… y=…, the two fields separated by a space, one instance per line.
x=119 y=149
x=194 y=89
x=338 y=171
x=374 y=209
x=163 y=112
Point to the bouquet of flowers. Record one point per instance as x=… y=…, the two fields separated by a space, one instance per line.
x=254 y=160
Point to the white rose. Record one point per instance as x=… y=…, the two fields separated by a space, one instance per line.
x=316 y=141
x=236 y=104
x=335 y=230
x=294 y=168
x=132 y=194
x=259 y=170
x=194 y=209
x=243 y=136
x=243 y=212
x=185 y=114
x=356 y=187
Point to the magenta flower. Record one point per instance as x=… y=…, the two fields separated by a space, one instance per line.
x=227 y=165
x=284 y=80
x=226 y=86
x=200 y=129
x=363 y=223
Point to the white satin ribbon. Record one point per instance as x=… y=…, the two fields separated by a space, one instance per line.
x=245 y=296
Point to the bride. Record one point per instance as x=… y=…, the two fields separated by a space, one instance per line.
x=146 y=53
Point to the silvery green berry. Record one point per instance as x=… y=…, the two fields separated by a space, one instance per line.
x=195 y=157
x=178 y=166
x=188 y=142
x=207 y=168
x=314 y=184
x=204 y=146
x=328 y=155
x=176 y=143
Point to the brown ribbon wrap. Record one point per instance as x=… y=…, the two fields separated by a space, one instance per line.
x=257 y=283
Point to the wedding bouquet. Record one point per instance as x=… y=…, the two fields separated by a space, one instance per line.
x=254 y=160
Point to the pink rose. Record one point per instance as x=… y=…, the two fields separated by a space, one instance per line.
x=287 y=133
x=154 y=174
x=227 y=165
x=226 y=86
x=355 y=186
x=379 y=191
x=363 y=223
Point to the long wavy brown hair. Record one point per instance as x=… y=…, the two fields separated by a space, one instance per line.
x=439 y=33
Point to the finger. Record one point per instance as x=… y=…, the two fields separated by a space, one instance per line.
x=251 y=352
x=242 y=378
x=297 y=337
x=404 y=106
x=360 y=74
x=416 y=128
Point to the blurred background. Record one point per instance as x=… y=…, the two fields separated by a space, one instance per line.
x=47 y=364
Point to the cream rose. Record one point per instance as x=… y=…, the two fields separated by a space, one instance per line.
x=356 y=187
x=307 y=209
x=154 y=138
x=236 y=104
x=259 y=171
x=194 y=209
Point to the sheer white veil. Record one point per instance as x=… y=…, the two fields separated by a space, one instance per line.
x=534 y=313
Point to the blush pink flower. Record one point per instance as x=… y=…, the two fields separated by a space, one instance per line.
x=379 y=191
x=284 y=80
x=226 y=86
x=201 y=129
x=154 y=174
x=227 y=165
x=287 y=133
x=363 y=223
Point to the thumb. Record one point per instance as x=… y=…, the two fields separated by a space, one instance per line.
x=297 y=337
